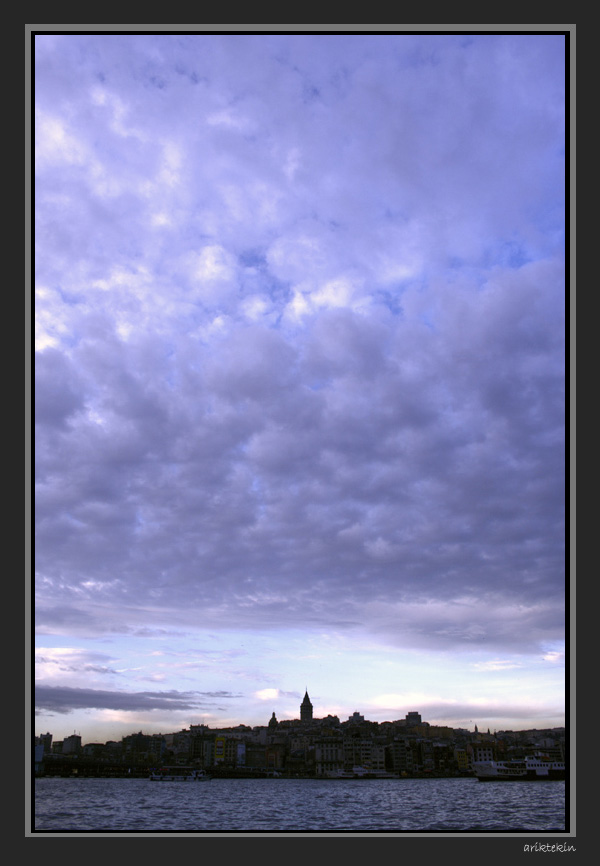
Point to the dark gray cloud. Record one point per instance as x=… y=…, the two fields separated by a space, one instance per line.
x=59 y=699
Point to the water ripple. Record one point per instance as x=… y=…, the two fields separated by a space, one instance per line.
x=291 y=805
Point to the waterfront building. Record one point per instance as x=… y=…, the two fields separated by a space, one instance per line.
x=71 y=745
x=275 y=756
x=481 y=752
x=363 y=752
x=38 y=758
x=45 y=740
x=93 y=750
x=400 y=753
x=201 y=746
x=255 y=756
x=462 y=759
x=329 y=756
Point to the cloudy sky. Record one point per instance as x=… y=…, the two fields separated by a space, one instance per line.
x=299 y=379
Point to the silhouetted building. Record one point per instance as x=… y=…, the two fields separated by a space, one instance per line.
x=71 y=745
x=46 y=741
x=306 y=709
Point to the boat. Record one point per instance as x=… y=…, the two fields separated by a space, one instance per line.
x=533 y=768
x=179 y=774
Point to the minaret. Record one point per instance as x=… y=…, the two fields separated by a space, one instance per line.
x=306 y=709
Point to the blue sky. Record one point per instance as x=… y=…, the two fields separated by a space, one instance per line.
x=299 y=379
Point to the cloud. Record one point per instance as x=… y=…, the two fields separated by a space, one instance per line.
x=554 y=656
x=485 y=712
x=496 y=665
x=67 y=662
x=300 y=338
x=62 y=699
x=267 y=694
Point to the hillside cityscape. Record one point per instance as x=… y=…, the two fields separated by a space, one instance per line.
x=303 y=747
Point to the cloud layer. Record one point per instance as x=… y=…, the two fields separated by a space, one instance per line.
x=300 y=333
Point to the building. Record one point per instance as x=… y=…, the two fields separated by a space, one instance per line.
x=401 y=756
x=72 y=745
x=481 y=752
x=140 y=746
x=329 y=756
x=38 y=758
x=462 y=759
x=93 y=750
x=363 y=752
x=45 y=740
x=306 y=709
x=356 y=717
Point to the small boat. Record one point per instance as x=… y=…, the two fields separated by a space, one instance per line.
x=179 y=774
x=533 y=768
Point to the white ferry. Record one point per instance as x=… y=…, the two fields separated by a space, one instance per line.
x=179 y=774
x=533 y=768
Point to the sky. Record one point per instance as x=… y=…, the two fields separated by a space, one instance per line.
x=299 y=379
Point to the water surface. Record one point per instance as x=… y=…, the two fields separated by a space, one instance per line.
x=298 y=805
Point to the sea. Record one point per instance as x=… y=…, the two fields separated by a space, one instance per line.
x=272 y=805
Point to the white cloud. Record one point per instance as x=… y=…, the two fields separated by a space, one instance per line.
x=554 y=657
x=55 y=143
x=336 y=293
x=495 y=665
x=267 y=694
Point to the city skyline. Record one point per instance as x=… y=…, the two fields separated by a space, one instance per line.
x=62 y=729
x=300 y=399
x=412 y=721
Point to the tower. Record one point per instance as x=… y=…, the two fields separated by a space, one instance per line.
x=306 y=709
